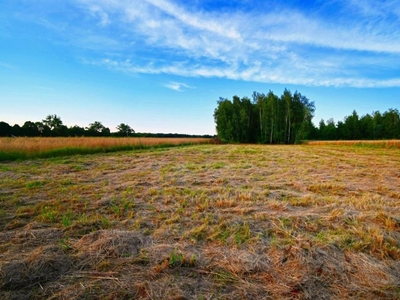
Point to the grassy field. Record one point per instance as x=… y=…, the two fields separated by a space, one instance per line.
x=25 y=147
x=203 y=222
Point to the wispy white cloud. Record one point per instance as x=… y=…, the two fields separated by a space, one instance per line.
x=163 y=25
x=177 y=86
x=373 y=8
x=355 y=47
x=99 y=13
x=278 y=74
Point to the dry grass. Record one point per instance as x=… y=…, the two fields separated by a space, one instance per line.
x=25 y=147
x=43 y=144
x=374 y=143
x=203 y=222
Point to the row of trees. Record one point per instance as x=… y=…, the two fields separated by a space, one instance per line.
x=373 y=126
x=267 y=118
x=52 y=125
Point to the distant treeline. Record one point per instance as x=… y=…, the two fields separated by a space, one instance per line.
x=287 y=119
x=375 y=126
x=52 y=126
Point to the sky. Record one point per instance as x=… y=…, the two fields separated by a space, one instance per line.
x=162 y=65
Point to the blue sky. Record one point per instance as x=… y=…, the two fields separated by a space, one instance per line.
x=161 y=65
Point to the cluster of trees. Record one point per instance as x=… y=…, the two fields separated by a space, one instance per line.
x=53 y=126
x=267 y=118
x=368 y=127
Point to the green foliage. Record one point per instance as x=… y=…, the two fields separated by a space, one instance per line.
x=368 y=127
x=288 y=119
x=52 y=126
x=266 y=119
x=53 y=121
x=125 y=130
x=97 y=129
x=66 y=219
x=242 y=234
x=177 y=259
x=48 y=215
x=35 y=184
x=5 y=129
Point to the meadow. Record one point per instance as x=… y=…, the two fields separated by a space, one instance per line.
x=203 y=222
x=37 y=147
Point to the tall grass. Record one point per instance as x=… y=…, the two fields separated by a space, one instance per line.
x=362 y=143
x=38 y=147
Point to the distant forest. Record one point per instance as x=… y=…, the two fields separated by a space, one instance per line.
x=268 y=118
x=52 y=126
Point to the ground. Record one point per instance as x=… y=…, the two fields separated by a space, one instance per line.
x=203 y=222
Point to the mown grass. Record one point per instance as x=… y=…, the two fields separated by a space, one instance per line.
x=29 y=148
x=203 y=222
x=360 y=143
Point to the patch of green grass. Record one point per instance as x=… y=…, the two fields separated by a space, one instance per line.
x=67 y=219
x=286 y=222
x=177 y=259
x=237 y=234
x=105 y=223
x=78 y=168
x=218 y=165
x=35 y=184
x=48 y=215
x=322 y=237
x=242 y=234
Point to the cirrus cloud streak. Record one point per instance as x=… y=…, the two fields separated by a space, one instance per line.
x=356 y=44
